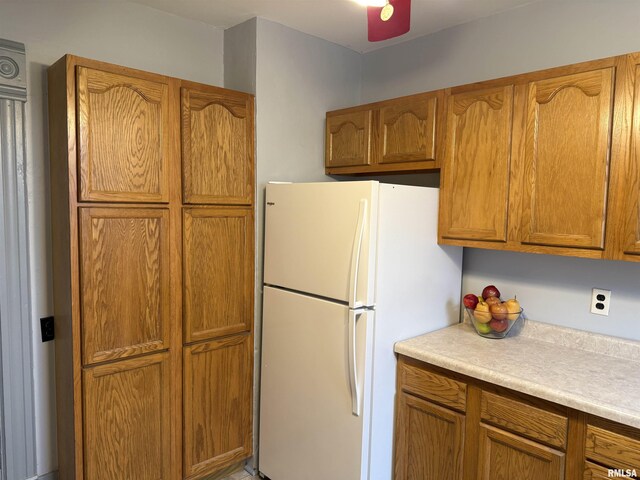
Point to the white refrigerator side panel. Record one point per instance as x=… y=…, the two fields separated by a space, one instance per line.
x=307 y=429
x=418 y=290
x=310 y=230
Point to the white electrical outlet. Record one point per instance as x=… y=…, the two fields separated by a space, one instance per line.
x=600 y=301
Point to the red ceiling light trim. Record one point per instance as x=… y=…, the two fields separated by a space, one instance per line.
x=398 y=24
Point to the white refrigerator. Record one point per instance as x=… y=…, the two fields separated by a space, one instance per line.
x=350 y=268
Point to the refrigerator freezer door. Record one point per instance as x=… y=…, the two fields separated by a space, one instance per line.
x=320 y=239
x=307 y=428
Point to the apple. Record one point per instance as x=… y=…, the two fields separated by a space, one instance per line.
x=499 y=325
x=498 y=311
x=490 y=291
x=470 y=301
x=481 y=313
x=513 y=308
x=492 y=300
x=483 y=328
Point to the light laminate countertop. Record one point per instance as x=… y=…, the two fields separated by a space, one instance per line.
x=592 y=373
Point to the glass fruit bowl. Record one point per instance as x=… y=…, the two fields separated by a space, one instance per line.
x=496 y=325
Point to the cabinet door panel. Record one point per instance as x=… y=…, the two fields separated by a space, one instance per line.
x=218 y=272
x=127 y=419
x=348 y=139
x=217 y=147
x=628 y=163
x=123 y=137
x=217 y=404
x=567 y=160
x=475 y=180
x=506 y=456
x=407 y=130
x=124 y=282
x=429 y=441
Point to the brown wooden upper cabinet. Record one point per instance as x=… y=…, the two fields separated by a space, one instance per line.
x=348 y=139
x=218 y=268
x=123 y=137
x=475 y=174
x=566 y=163
x=391 y=136
x=623 y=224
x=217 y=145
x=406 y=130
x=125 y=282
x=528 y=161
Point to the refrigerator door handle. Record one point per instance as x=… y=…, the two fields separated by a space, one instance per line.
x=355 y=254
x=353 y=362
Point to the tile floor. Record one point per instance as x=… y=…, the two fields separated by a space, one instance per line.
x=241 y=475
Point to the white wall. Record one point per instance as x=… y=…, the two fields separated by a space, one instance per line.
x=122 y=33
x=541 y=35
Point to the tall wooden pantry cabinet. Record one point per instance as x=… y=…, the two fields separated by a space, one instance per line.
x=152 y=185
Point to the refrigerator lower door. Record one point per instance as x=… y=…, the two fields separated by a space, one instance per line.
x=308 y=428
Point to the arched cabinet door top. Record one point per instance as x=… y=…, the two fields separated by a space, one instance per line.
x=407 y=130
x=348 y=139
x=217 y=147
x=475 y=176
x=494 y=98
x=590 y=84
x=123 y=137
x=567 y=137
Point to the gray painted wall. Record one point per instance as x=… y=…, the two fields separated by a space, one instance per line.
x=298 y=79
x=240 y=50
x=240 y=56
x=123 y=33
x=551 y=289
x=532 y=37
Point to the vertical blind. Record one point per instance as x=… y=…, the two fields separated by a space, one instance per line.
x=17 y=442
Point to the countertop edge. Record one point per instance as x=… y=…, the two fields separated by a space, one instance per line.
x=520 y=385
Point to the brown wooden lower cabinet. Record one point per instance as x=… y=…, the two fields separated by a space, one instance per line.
x=593 y=471
x=217 y=412
x=431 y=440
x=127 y=425
x=450 y=426
x=504 y=455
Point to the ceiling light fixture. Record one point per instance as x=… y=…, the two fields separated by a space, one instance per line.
x=389 y=20
x=372 y=3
